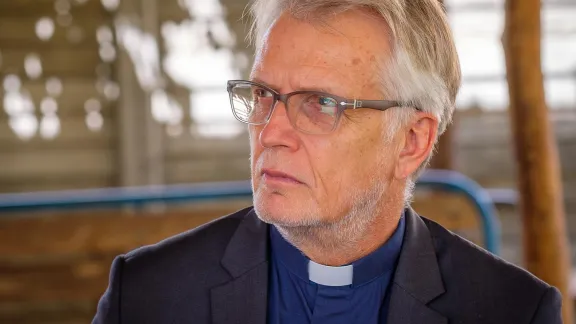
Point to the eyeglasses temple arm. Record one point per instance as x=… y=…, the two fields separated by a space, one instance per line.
x=375 y=104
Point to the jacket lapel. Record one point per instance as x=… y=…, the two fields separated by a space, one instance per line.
x=417 y=280
x=406 y=309
x=244 y=299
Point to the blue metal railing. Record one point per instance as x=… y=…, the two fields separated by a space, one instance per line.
x=114 y=197
x=480 y=197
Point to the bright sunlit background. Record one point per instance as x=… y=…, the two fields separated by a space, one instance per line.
x=199 y=53
x=120 y=93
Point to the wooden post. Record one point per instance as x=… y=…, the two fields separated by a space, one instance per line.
x=544 y=229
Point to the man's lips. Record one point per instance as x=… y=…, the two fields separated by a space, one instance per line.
x=276 y=175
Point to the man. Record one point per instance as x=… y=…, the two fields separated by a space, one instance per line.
x=345 y=103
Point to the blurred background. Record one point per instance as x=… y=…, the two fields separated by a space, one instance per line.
x=100 y=95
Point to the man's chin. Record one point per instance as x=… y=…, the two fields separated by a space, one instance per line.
x=285 y=209
x=286 y=217
x=272 y=215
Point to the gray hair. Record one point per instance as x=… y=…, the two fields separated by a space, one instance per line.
x=424 y=69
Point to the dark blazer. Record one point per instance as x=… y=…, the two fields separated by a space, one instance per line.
x=218 y=274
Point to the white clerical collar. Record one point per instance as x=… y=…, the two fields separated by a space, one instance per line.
x=330 y=276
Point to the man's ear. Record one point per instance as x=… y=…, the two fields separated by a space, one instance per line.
x=418 y=143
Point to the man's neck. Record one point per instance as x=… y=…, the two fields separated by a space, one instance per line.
x=346 y=241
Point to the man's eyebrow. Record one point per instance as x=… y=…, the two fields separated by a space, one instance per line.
x=317 y=89
x=256 y=80
x=299 y=88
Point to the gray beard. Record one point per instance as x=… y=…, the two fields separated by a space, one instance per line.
x=341 y=235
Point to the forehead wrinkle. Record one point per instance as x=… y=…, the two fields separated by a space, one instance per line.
x=331 y=77
x=339 y=67
x=331 y=86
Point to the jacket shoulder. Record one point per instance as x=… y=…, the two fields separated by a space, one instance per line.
x=171 y=278
x=189 y=262
x=208 y=239
x=213 y=232
x=481 y=284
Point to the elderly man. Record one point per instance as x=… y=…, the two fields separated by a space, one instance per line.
x=345 y=103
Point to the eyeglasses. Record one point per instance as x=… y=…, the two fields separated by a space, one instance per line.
x=311 y=112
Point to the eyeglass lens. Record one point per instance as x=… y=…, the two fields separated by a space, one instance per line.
x=308 y=111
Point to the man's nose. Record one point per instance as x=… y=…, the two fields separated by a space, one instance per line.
x=279 y=131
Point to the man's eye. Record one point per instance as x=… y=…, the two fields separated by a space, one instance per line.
x=327 y=102
x=261 y=93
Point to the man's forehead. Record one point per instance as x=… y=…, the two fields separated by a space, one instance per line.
x=295 y=76
x=338 y=58
x=304 y=40
x=334 y=73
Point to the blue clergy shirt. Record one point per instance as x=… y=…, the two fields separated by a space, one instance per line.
x=305 y=292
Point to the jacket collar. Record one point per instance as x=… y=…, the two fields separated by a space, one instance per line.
x=417 y=280
x=248 y=247
x=244 y=299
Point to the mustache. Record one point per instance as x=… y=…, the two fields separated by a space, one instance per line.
x=272 y=159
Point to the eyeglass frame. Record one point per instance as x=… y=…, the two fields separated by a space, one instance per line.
x=343 y=103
